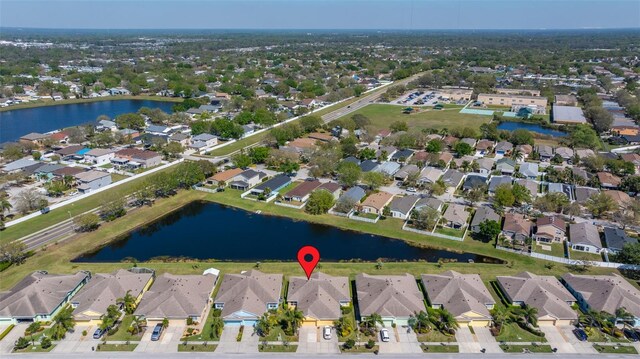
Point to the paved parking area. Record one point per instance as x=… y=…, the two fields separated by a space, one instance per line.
x=557 y=340
x=168 y=342
x=467 y=342
x=400 y=342
x=579 y=347
x=311 y=341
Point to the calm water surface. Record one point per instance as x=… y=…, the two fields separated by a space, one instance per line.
x=203 y=230
x=17 y=123
x=510 y=126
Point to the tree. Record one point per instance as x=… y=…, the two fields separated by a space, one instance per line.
x=311 y=123
x=521 y=137
x=113 y=210
x=128 y=302
x=438 y=188
x=130 y=120
x=241 y=160
x=63 y=322
x=21 y=343
x=259 y=154
x=434 y=146
x=583 y=136
x=420 y=322
x=374 y=179
x=36 y=155
x=5 y=205
x=12 y=151
x=30 y=200
x=137 y=324
x=86 y=222
x=398 y=126
x=367 y=154
x=490 y=229
x=425 y=218
x=345 y=204
x=293 y=318
x=13 y=252
x=349 y=173
x=173 y=150
x=319 y=202
x=521 y=194
x=462 y=148
x=372 y=320
x=504 y=196
x=45 y=342
x=599 y=204
x=630 y=254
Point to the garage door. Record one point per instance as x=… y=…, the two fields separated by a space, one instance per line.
x=233 y=323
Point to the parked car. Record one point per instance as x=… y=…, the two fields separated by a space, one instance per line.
x=326 y=332
x=580 y=334
x=157 y=332
x=411 y=189
x=98 y=333
x=384 y=335
x=631 y=335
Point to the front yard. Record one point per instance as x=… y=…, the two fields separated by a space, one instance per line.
x=439 y=348
x=435 y=336
x=116 y=347
x=277 y=348
x=526 y=348
x=200 y=348
x=122 y=334
x=615 y=349
x=511 y=332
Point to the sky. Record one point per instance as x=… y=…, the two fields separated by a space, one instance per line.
x=320 y=14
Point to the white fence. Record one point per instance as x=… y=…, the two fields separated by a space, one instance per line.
x=204 y=189
x=434 y=234
x=352 y=215
x=284 y=204
x=573 y=261
x=83 y=196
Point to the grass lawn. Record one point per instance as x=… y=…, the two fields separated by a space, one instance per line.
x=116 y=347
x=115 y=177
x=435 y=336
x=122 y=334
x=35 y=349
x=557 y=249
x=597 y=336
x=276 y=334
x=359 y=349
x=382 y=116
x=366 y=215
x=532 y=348
x=584 y=256
x=277 y=348
x=615 y=349
x=450 y=232
x=238 y=145
x=513 y=333
x=289 y=187
x=439 y=348
x=197 y=347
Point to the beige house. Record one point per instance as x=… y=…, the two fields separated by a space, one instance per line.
x=320 y=297
x=456 y=216
x=244 y=297
x=512 y=100
x=394 y=297
x=551 y=229
x=463 y=295
x=545 y=293
x=177 y=297
x=224 y=176
x=92 y=300
x=376 y=202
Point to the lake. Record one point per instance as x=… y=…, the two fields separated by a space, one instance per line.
x=204 y=230
x=17 y=123
x=511 y=125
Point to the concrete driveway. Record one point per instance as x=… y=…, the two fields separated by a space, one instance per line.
x=74 y=342
x=467 y=342
x=6 y=344
x=400 y=341
x=168 y=342
x=311 y=341
x=556 y=339
x=486 y=340
x=228 y=343
x=585 y=347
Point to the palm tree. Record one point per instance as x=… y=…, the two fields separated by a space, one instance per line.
x=5 y=205
x=64 y=322
x=624 y=316
x=137 y=324
x=216 y=327
x=517 y=155
x=420 y=322
x=128 y=302
x=530 y=314
x=263 y=326
x=293 y=318
x=500 y=316
x=372 y=320
x=448 y=321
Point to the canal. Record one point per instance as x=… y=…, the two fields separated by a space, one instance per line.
x=17 y=123
x=204 y=230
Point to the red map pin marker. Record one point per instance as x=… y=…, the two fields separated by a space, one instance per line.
x=308 y=265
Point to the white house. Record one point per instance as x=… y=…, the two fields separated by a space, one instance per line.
x=99 y=156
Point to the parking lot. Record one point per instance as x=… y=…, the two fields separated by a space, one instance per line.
x=424 y=98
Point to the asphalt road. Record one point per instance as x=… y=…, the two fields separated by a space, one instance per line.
x=316 y=356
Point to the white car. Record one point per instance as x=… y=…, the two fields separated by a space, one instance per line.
x=384 y=335
x=326 y=332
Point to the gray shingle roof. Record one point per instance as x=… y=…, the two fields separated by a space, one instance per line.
x=320 y=296
x=248 y=292
x=388 y=295
x=606 y=292
x=458 y=293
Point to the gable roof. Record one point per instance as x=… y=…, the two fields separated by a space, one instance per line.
x=104 y=289
x=274 y=183
x=303 y=189
x=320 y=296
x=248 y=292
x=403 y=204
x=177 y=296
x=452 y=177
x=606 y=292
x=19 y=164
x=529 y=169
x=545 y=293
x=554 y=221
x=516 y=223
x=388 y=295
x=458 y=293
x=38 y=293
x=456 y=213
x=355 y=193
x=226 y=175
x=483 y=214
x=616 y=238
x=377 y=200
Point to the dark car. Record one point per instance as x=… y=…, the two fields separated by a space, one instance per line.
x=580 y=334
x=157 y=332
x=631 y=335
x=98 y=333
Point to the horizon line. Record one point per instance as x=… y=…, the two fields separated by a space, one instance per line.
x=318 y=29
